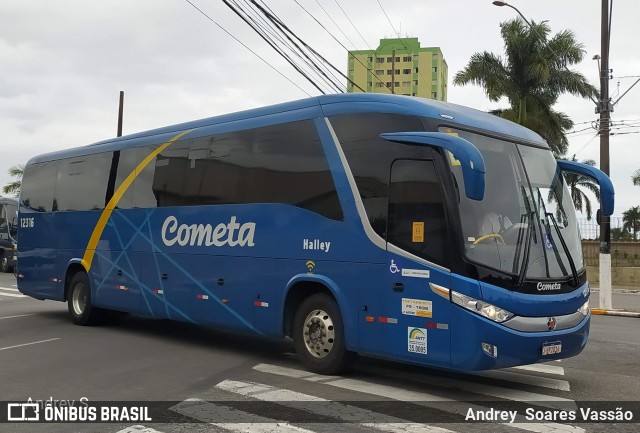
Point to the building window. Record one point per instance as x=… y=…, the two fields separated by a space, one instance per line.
x=415 y=82
x=406 y=59
x=417 y=71
x=434 y=69
x=434 y=95
x=379 y=71
x=379 y=60
x=369 y=59
x=406 y=83
x=380 y=84
x=406 y=71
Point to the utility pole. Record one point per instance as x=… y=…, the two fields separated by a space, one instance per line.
x=120 y=111
x=604 y=109
x=393 y=71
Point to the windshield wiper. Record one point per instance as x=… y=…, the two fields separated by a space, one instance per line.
x=572 y=264
x=527 y=245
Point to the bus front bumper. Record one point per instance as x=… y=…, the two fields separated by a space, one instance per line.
x=478 y=343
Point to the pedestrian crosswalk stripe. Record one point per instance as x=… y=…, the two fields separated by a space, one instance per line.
x=413 y=396
x=226 y=418
x=340 y=411
x=485 y=389
x=542 y=368
x=527 y=379
x=11 y=295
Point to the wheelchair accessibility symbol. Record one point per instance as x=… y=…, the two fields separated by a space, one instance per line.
x=394 y=269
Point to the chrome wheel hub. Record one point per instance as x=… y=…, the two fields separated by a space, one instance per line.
x=319 y=333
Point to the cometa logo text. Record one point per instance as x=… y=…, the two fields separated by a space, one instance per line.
x=232 y=233
x=548 y=286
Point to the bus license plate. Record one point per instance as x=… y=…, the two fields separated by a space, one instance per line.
x=551 y=348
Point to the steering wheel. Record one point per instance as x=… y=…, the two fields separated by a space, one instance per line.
x=498 y=237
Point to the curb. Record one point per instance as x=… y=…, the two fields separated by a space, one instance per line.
x=601 y=312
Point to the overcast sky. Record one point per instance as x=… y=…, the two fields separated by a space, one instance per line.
x=64 y=63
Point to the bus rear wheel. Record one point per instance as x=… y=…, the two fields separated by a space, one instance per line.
x=318 y=335
x=79 y=301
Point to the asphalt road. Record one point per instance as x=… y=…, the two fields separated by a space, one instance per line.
x=216 y=381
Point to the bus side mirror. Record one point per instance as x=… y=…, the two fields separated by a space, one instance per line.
x=607 y=192
x=470 y=158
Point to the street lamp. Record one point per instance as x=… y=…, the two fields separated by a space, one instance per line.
x=499 y=3
x=603 y=108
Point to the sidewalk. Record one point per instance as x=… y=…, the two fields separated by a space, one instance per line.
x=625 y=301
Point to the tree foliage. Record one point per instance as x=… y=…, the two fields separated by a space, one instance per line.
x=14 y=187
x=531 y=76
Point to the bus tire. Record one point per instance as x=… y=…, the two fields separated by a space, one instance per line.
x=318 y=335
x=4 y=263
x=79 y=301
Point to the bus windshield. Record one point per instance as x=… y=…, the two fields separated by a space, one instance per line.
x=525 y=225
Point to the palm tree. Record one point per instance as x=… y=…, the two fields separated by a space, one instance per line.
x=14 y=187
x=532 y=76
x=577 y=183
x=620 y=235
x=631 y=220
x=635 y=177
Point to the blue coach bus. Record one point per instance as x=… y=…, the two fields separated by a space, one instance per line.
x=382 y=225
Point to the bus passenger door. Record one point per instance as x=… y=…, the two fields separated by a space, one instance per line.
x=415 y=317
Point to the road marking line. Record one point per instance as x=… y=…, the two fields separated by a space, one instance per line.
x=29 y=344
x=19 y=315
x=13 y=295
x=543 y=368
x=479 y=388
x=216 y=416
x=138 y=429
x=11 y=290
x=332 y=409
x=413 y=396
x=526 y=379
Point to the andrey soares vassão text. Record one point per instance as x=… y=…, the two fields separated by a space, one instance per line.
x=532 y=414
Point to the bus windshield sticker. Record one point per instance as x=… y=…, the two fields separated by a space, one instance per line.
x=415 y=273
x=417 y=307
x=417 y=340
x=418 y=231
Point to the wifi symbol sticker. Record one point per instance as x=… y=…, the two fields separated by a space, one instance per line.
x=310 y=265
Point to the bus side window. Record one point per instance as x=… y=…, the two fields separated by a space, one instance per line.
x=82 y=182
x=38 y=186
x=274 y=164
x=417 y=218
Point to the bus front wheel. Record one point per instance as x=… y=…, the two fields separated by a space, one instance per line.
x=319 y=335
x=79 y=301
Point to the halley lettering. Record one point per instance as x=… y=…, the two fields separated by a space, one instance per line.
x=316 y=244
x=231 y=234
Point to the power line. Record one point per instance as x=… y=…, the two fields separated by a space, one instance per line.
x=399 y=38
x=292 y=63
x=334 y=23
x=241 y=43
x=369 y=69
x=354 y=26
x=286 y=30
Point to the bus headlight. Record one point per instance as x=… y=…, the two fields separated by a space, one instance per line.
x=485 y=309
x=584 y=310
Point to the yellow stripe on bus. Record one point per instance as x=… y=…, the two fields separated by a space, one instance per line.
x=106 y=213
